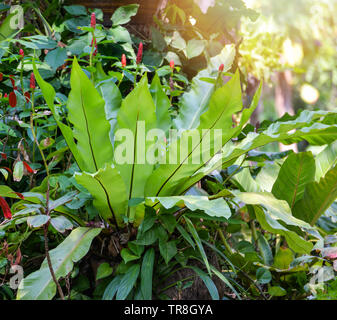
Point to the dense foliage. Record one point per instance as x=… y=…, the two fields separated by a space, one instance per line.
x=228 y=219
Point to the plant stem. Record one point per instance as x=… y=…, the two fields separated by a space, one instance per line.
x=224 y=241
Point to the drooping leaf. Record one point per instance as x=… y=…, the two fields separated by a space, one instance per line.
x=127 y=282
x=325 y=160
x=38 y=220
x=39 y=285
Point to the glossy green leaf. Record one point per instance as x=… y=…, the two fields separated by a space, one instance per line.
x=61 y=224
x=112 y=287
x=127 y=255
x=127 y=282
x=39 y=285
x=124 y=14
x=325 y=160
x=317 y=198
x=108 y=190
x=38 y=220
x=167 y=250
x=263 y=275
x=104 y=270
x=296 y=172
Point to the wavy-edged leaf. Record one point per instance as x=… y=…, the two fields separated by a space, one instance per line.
x=214 y=208
x=296 y=172
x=317 y=198
x=90 y=126
x=39 y=285
x=108 y=190
x=137 y=115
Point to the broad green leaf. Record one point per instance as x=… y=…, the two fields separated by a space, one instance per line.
x=112 y=287
x=127 y=282
x=277 y=291
x=18 y=171
x=325 y=160
x=49 y=95
x=214 y=208
x=294 y=241
x=111 y=95
x=194 y=48
x=296 y=172
x=39 y=285
x=76 y=10
x=195 y=102
x=283 y=258
x=162 y=104
x=108 y=190
x=61 y=224
x=104 y=270
x=128 y=256
x=38 y=220
x=6 y=30
x=245 y=181
x=267 y=176
x=4 y=173
x=276 y=209
x=317 y=198
x=123 y=14
x=138 y=118
x=56 y=57
x=147 y=274
x=90 y=125
x=167 y=250
x=263 y=275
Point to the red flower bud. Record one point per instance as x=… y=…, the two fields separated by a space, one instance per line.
x=222 y=67
x=5 y=208
x=172 y=64
x=32 y=81
x=1 y=76
x=12 y=99
x=21 y=53
x=123 y=60
x=93 y=20
x=27 y=96
x=6 y=95
x=3 y=155
x=140 y=53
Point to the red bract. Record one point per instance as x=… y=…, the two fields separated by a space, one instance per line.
x=3 y=155
x=123 y=60
x=32 y=81
x=12 y=99
x=21 y=53
x=28 y=168
x=140 y=53
x=6 y=95
x=222 y=67
x=27 y=96
x=1 y=76
x=5 y=208
x=172 y=64
x=93 y=20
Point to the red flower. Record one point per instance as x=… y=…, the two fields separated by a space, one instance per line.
x=13 y=82
x=123 y=60
x=3 y=155
x=12 y=99
x=140 y=53
x=21 y=53
x=6 y=95
x=172 y=64
x=5 y=208
x=222 y=67
x=93 y=20
x=1 y=76
x=27 y=167
x=27 y=96
x=32 y=81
